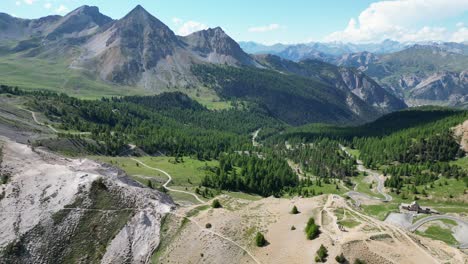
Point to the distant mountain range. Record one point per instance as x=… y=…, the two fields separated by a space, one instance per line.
x=423 y=73
x=335 y=49
x=314 y=82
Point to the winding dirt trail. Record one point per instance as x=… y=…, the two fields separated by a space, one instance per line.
x=38 y=122
x=169 y=181
x=254 y=138
x=192 y=220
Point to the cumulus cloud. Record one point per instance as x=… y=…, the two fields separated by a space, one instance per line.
x=396 y=20
x=18 y=3
x=266 y=28
x=62 y=9
x=187 y=28
x=29 y=2
x=47 y=5
x=460 y=35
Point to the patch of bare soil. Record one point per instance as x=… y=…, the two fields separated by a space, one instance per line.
x=372 y=240
x=462 y=132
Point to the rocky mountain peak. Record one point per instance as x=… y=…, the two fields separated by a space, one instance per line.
x=213 y=42
x=82 y=21
x=92 y=12
x=140 y=13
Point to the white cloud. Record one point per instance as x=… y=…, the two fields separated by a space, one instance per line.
x=29 y=2
x=189 y=27
x=47 y=5
x=396 y=20
x=460 y=24
x=460 y=35
x=18 y=3
x=62 y=9
x=267 y=28
x=177 y=21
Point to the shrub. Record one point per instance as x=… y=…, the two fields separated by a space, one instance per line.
x=216 y=204
x=311 y=230
x=208 y=225
x=358 y=261
x=294 y=210
x=322 y=254
x=340 y=258
x=260 y=240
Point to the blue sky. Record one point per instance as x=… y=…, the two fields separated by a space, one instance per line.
x=292 y=21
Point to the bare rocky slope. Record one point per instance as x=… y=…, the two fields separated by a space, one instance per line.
x=422 y=73
x=58 y=210
x=343 y=78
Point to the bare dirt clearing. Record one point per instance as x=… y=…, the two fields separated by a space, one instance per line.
x=371 y=240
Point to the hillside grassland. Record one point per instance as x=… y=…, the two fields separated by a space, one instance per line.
x=186 y=173
x=56 y=75
x=439 y=233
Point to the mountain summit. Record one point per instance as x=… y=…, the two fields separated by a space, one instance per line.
x=141 y=50
x=217 y=47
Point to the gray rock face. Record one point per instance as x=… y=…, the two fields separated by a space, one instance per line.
x=130 y=46
x=443 y=86
x=347 y=79
x=370 y=91
x=215 y=46
x=434 y=72
x=141 y=50
x=359 y=60
x=83 y=21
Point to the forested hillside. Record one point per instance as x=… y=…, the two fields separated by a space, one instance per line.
x=415 y=146
x=180 y=127
x=290 y=98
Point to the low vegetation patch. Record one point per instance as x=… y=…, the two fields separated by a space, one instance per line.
x=439 y=233
x=312 y=230
x=294 y=210
x=380 y=237
x=260 y=240
x=195 y=211
x=322 y=254
x=340 y=258
x=349 y=223
x=216 y=204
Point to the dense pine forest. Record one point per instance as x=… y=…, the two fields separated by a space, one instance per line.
x=324 y=158
x=252 y=174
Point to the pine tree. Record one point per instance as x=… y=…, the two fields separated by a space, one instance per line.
x=260 y=240
x=216 y=204
x=311 y=230
x=294 y=210
x=340 y=258
x=322 y=254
